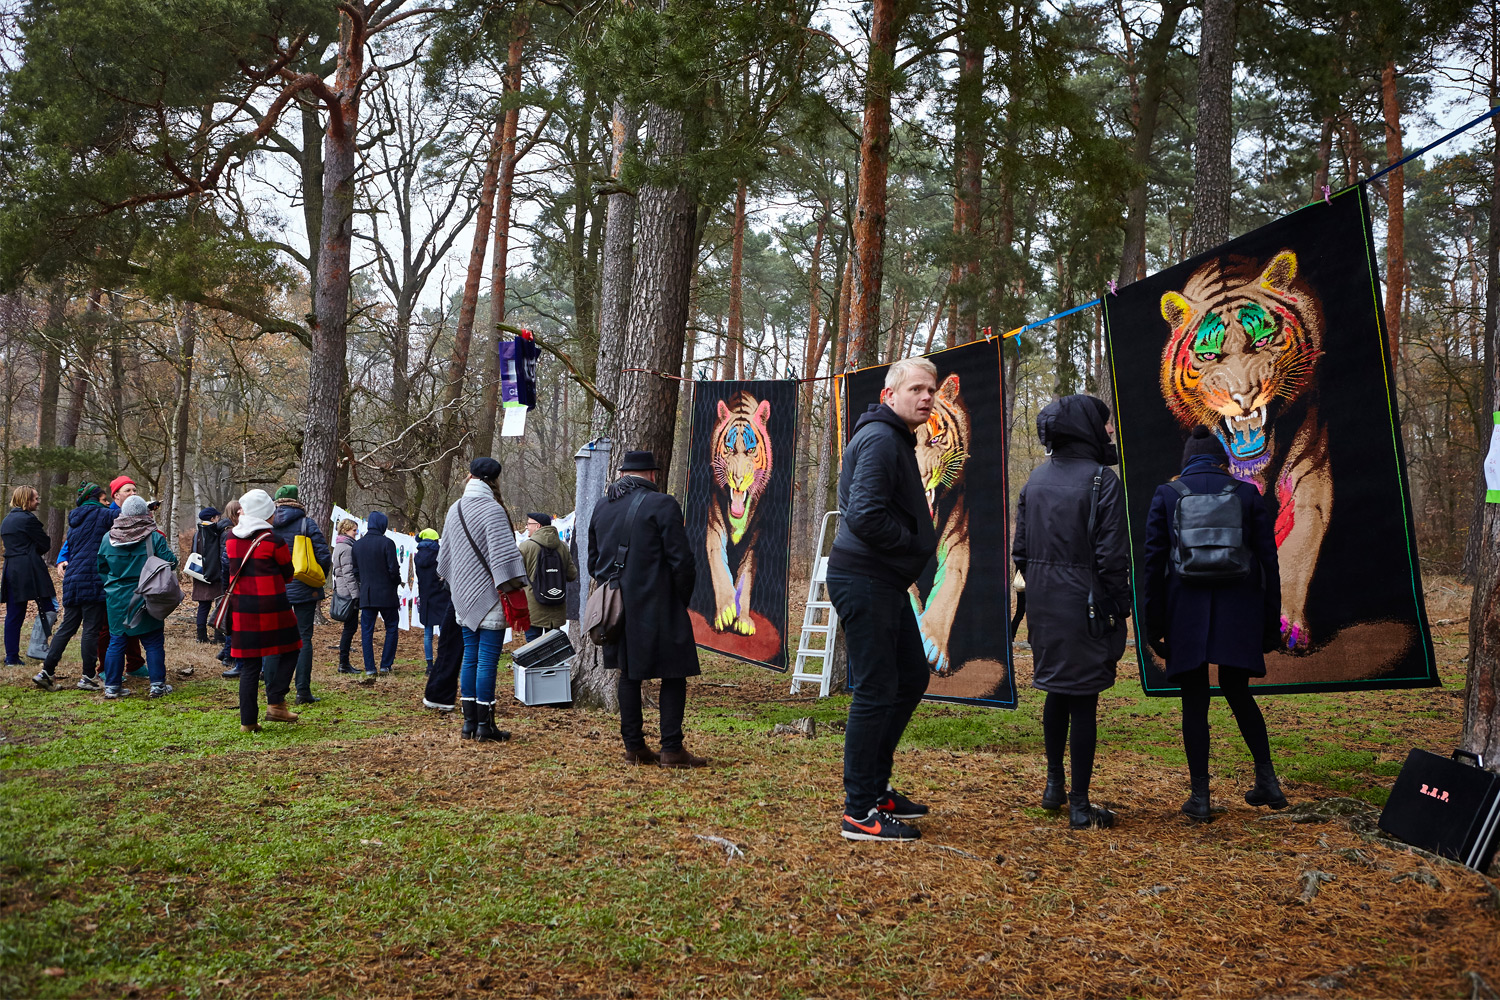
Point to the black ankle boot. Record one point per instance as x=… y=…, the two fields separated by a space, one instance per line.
x=1083 y=816
x=1267 y=790
x=1198 y=808
x=471 y=717
x=1056 y=793
x=484 y=725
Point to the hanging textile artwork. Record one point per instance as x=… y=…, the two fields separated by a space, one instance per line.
x=1276 y=341
x=739 y=516
x=962 y=600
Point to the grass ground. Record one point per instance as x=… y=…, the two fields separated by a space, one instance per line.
x=147 y=848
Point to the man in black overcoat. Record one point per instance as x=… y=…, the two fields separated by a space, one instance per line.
x=655 y=585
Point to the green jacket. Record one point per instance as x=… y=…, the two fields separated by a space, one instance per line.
x=120 y=569
x=545 y=616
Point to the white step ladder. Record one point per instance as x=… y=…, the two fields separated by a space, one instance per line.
x=809 y=651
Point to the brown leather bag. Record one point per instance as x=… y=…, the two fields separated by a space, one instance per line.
x=604 y=618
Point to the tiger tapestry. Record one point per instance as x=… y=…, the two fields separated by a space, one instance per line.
x=966 y=589
x=739 y=509
x=1276 y=342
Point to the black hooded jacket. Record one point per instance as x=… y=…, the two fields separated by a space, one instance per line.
x=885 y=528
x=1058 y=558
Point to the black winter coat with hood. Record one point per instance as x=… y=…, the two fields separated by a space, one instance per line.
x=885 y=528
x=1059 y=560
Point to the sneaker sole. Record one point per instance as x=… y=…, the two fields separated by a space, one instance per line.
x=440 y=708
x=908 y=815
x=856 y=835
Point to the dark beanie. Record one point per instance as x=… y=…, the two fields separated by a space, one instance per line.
x=484 y=468
x=542 y=519
x=208 y=514
x=1203 y=442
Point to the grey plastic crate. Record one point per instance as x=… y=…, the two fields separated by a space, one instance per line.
x=550 y=685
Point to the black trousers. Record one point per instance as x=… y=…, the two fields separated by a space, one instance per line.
x=204 y=607
x=346 y=639
x=1080 y=713
x=298 y=665
x=276 y=688
x=89 y=616
x=673 y=703
x=1234 y=684
x=448 y=658
x=888 y=672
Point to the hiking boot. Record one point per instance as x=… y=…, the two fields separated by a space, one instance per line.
x=1056 y=792
x=899 y=805
x=88 y=683
x=158 y=690
x=1198 y=808
x=254 y=727
x=1084 y=816
x=44 y=681
x=878 y=826
x=471 y=718
x=680 y=759
x=280 y=713
x=484 y=724
x=112 y=693
x=645 y=755
x=231 y=673
x=1267 y=790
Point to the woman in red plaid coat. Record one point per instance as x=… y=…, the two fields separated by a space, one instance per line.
x=264 y=624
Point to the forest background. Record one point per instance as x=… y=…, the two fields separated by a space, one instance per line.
x=248 y=242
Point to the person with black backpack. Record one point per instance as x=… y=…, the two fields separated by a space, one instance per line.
x=549 y=568
x=208 y=577
x=1213 y=596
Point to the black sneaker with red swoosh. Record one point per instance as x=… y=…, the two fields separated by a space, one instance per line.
x=900 y=806
x=878 y=826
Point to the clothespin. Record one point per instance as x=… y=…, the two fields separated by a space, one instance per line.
x=702 y=374
x=989 y=333
x=1326 y=199
x=791 y=373
x=1114 y=287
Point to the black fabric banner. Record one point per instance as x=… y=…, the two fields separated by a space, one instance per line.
x=739 y=516
x=1276 y=340
x=963 y=598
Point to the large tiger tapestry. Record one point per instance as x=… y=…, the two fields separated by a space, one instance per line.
x=739 y=508
x=966 y=589
x=1276 y=342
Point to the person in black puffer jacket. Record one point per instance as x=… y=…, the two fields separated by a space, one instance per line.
x=1062 y=564
x=82 y=590
x=886 y=538
x=289 y=521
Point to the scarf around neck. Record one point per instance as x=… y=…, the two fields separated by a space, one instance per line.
x=131 y=528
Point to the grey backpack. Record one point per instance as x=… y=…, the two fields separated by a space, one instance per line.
x=157 y=594
x=1210 y=531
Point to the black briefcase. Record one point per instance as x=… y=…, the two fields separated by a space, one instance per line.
x=1446 y=807
x=547 y=650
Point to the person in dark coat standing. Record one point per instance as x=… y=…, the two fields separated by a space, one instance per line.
x=26 y=578
x=655 y=585
x=1063 y=560
x=264 y=624
x=379 y=575
x=226 y=525
x=433 y=599
x=289 y=521
x=82 y=590
x=885 y=540
x=1230 y=625
x=207 y=542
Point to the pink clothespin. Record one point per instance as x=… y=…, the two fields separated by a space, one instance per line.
x=1114 y=286
x=1326 y=199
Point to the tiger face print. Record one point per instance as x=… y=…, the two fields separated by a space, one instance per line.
x=742 y=457
x=1244 y=341
x=943 y=443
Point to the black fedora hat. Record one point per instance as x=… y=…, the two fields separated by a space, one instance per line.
x=638 y=461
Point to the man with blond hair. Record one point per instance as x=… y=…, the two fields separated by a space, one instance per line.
x=885 y=540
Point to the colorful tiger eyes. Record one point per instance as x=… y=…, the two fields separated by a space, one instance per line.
x=1257 y=323
x=1209 y=342
x=746 y=434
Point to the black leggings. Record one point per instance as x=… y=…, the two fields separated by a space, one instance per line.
x=1081 y=710
x=1234 y=685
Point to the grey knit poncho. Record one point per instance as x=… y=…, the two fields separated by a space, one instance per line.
x=475 y=591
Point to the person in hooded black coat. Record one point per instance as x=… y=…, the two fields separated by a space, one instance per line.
x=25 y=578
x=379 y=576
x=1063 y=563
x=656 y=585
x=1231 y=625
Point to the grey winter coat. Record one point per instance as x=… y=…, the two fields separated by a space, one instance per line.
x=345 y=583
x=463 y=556
x=1059 y=560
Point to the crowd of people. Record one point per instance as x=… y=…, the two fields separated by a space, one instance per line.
x=261 y=569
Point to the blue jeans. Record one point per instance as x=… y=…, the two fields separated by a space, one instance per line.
x=427 y=642
x=533 y=632
x=367 y=636
x=156 y=658
x=476 y=678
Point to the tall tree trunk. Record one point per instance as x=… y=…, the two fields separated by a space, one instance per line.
x=874 y=164
x=617 y=273
x=1395 y=230
x=484 y=440
x=463 y=334
x=666 y=239
x=1153 y=80
x=968 y=120
x=401 y=392
x=187 y=344
x=1482 y=702
x=1325 y=156
x=324 y=431
x=1213 y=173
x=46 y=418
x=736 y=291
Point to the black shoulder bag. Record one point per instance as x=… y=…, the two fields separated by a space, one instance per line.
x=1103 y=617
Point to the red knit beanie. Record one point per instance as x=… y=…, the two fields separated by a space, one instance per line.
x=117 y=482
